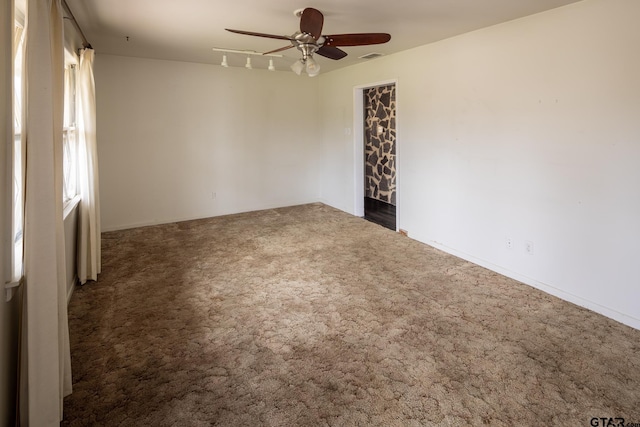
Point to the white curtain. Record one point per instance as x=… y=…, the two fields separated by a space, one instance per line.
x=89 y=265
x=45 y=372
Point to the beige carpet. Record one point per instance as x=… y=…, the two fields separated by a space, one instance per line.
x=309 y=316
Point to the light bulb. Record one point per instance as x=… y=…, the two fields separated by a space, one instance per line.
x=248 y=64
x=224 y=61
x=297 y=67
x=271 y=66
x=313 y=68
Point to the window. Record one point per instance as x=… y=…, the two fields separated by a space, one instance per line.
x=70 y=140
x=18 y=155
x=70 y=146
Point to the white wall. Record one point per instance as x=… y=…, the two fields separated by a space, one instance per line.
x=171 y=134
x=528 y=130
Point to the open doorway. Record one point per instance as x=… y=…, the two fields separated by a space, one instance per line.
x=380 y=154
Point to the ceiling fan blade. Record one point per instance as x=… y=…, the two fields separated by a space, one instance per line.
x=311 y=22
x=360 y=39
x=331 y=52
x=278 y=50
x=251 y=33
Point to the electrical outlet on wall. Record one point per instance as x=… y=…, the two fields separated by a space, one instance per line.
x=508 y=242
x=528 y=247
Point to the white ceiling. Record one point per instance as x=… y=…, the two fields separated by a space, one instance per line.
x=187 y=30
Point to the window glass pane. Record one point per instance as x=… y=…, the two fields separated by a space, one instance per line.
x=69 y=162
x=18 y=152
x=70 y=146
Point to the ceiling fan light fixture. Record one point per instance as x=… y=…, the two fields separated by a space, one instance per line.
x=248 y=64
x=271 y=66
x=224 y=62
x=312 y=67
x=297 y=67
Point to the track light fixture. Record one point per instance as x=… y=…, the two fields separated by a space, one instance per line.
x=248 y=53
x=306 y=64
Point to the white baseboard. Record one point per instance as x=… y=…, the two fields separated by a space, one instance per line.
x=70 y=287
x=550 y=289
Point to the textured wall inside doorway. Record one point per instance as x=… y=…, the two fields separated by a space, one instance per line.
x=380 y=143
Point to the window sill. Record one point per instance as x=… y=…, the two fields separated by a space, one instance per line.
x=69 y=206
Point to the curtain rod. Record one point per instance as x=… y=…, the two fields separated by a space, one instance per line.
x=85 y=42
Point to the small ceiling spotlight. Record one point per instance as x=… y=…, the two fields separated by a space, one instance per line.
x=248 y=64
x=224 y=63
x=271 y=66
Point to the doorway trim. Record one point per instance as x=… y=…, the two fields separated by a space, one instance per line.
x=358 y=147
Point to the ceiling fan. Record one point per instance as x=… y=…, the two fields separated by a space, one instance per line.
x=309 y=40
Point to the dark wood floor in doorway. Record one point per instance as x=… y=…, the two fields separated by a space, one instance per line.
x=381 y=213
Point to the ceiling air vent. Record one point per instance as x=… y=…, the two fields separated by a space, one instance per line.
x=371 y=55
